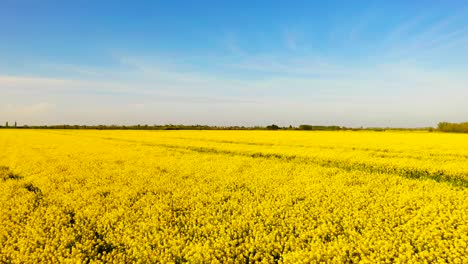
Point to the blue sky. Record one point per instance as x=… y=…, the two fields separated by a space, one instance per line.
x=352 y=63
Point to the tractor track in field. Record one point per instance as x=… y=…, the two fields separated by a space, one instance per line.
x=458 y=180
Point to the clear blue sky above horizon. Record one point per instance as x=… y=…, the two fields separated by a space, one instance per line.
x=352 y=63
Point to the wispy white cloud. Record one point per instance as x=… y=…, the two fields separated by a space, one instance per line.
x=29 y=109
x=291 y=39
x=231 y=43
x=357 y=28
x=423 y=37
x=34 y=84
x=406 y=28
x=313 y=67
x=275 y=78
x=67 y=68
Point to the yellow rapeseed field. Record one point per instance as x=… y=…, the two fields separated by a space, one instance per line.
x=70 y=196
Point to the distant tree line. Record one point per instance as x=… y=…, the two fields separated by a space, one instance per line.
x=206 y=127
x=324 y=128
x=453 y=127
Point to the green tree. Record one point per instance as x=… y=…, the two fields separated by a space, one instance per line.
x=273 y=127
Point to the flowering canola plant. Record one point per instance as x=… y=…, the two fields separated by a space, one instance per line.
x=71 y=196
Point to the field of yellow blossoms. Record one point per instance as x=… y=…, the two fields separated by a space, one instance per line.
x=71 y=196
